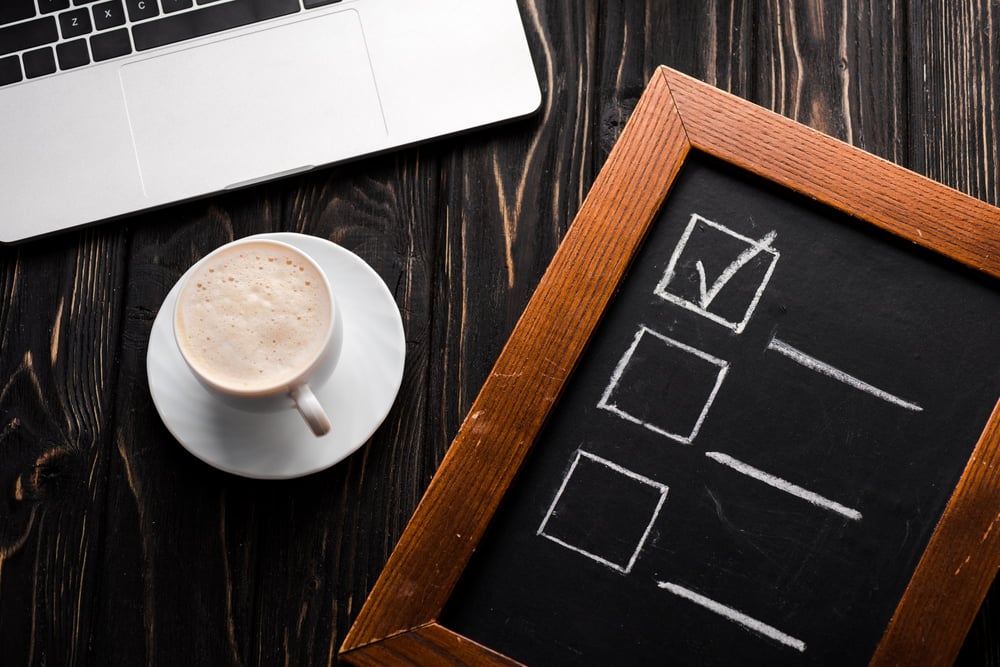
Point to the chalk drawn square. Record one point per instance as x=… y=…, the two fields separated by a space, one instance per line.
x=603 y=511
x=718 y=273
x=664 y=385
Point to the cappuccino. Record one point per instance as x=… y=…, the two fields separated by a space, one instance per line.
x=254 y=317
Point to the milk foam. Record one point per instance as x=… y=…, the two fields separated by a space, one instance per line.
x=253 y=317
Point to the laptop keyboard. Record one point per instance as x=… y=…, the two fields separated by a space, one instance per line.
x=42 y=37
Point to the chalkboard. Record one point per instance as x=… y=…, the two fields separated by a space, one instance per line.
x=751 y=411
x=774 y=405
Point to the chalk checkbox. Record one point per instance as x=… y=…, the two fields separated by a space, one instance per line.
x=718 y=273
x=664 y=385
x=603 y=511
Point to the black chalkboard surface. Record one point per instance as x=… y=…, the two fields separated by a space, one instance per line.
x=750 y=416
x=750 y=457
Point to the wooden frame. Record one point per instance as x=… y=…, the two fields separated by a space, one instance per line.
x=677 y=114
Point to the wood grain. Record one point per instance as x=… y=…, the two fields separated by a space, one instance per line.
x=61 y=326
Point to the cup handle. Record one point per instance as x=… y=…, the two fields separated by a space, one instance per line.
x=310 y=409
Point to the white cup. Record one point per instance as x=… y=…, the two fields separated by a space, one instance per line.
x=257 y=323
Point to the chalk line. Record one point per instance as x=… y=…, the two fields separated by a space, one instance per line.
x=708 y=294
x=784 y=485
x=662 y=489
x=605 y=403
x=739 y=617
x=815 y=364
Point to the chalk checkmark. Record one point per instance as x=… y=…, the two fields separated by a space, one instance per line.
x=708 y=294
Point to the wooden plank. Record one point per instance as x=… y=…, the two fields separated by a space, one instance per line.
x=61 y=304
x=821 y=65
x=955 y=138
x=507 y=197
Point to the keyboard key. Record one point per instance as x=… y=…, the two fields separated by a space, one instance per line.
x=75 y=23
x=108 y=15
x=49 y=6
x=10 y=70
x=16 y=10
x=83 y=2
x=73 y=54
x=211 y=19
x=311 y=4
x=28 y=35
x=141 y=9
x=107 y=45
x=39 y=62
x=174 y=5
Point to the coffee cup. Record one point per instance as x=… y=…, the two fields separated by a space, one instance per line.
x=257 y=323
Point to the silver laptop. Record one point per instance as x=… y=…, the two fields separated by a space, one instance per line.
x=114 y=106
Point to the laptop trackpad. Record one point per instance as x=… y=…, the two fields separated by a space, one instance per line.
x=245 y=108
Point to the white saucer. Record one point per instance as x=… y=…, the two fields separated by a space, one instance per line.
x=279 y=445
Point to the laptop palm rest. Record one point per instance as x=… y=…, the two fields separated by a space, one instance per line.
x=199 y=122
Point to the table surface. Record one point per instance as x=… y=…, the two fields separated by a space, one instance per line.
x=119 y=547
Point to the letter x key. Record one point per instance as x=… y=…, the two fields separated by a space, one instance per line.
x=108 y=14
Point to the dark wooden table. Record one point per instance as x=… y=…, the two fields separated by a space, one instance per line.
x=117 y=547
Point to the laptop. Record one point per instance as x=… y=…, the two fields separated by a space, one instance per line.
x=115 y=106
